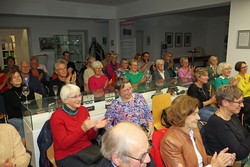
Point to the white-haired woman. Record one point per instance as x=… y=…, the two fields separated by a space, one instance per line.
x=224 y=70
x=72 y=129
x=98 y=80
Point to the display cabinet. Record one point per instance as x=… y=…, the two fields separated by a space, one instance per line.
x=8 y=46
x=72 y=44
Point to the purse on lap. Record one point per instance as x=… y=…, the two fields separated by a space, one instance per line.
x=89 y=155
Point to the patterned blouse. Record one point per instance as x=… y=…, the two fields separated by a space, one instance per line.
x=136 y=111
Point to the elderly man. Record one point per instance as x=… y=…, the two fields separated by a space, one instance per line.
x=125 y=149
x=31 y=81
x=160 y=76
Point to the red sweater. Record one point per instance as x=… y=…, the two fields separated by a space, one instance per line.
x=68 y=137
x=97 y=83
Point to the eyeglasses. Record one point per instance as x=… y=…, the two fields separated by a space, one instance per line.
x=244 y=67
x=127 y=90
x=239 y=102
x=61 y=69
x=143 y=156
x=75 y=97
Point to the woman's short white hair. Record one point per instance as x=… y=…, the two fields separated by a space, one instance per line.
x=67 y=90
x=159 y=61
x=222 y=66
x=96 y=64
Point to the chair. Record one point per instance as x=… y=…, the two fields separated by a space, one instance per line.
x=50 y=155
x=160 y=102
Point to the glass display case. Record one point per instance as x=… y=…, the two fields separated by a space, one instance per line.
x=72 y=44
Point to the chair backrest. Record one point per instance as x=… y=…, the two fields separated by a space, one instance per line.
x=50 y=155
x=160 y=102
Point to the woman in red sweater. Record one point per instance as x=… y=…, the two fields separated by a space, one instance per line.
x=72 y=129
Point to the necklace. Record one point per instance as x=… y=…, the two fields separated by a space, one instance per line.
x=19 y=96
x=223 y=116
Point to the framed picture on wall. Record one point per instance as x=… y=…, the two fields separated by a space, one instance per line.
x=46 y=43
x=178 y=39
x=187 y=39
x=169 y=39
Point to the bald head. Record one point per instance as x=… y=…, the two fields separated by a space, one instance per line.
x=123 y=139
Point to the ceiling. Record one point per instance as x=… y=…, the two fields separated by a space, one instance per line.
x=102 y=2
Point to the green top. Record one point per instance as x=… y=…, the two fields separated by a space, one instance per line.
x=221 y=81
x=134 y=78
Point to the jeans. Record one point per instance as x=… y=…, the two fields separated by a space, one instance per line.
x=18 y=124
x=206 y=112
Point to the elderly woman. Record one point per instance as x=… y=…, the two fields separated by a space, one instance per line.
x=112 y=66
x=200 y=91
x=72 y=129
x=160 y=76
x=134 y=76
x=224 y=70
x=182 y=144
x=130 y=107
x=10 y=65
x=121 y=71
x=185 y=73
x=224 y=128
x=98 y=80
x=13 y=98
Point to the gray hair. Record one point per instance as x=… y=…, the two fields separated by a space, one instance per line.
x=116 y=141
x=58 y=62
x=182 y=59
x=67 y=90
x=159 y=61
x=96 y=64
x=227 y=92
x=24 y=61
x=222 y=66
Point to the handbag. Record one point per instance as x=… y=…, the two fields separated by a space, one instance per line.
x=89 y=155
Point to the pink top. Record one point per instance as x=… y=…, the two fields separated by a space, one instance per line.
x=97 y=83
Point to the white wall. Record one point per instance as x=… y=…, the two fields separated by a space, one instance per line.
x=47 y=27
x=204 y=33
x=239 y=20
x=148 y=7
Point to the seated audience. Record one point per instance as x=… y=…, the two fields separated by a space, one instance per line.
x=29 y=80
x=144 y=65
x=10 y=65
x=13 y=98
x=160 y=76
x=224 y=72
x=121 y=71
x=125 y=145
x=134 y=76
x=200 y=91
x=3 y=84
x=138 y=57
x=71 y=68
x=72 y=130
x=112 y=66
x=62 y=77
x=169 y=64
x=182 y=144
x=224 y=128
x=105 y=62
x=130 y=107
x=88 y=73
x=40 y=66
x=98 y=80
x=212 y=70
x=185 y=73
x=244 y=85
x=12 y=152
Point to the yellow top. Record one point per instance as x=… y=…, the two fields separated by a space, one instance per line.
x=244 y=84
